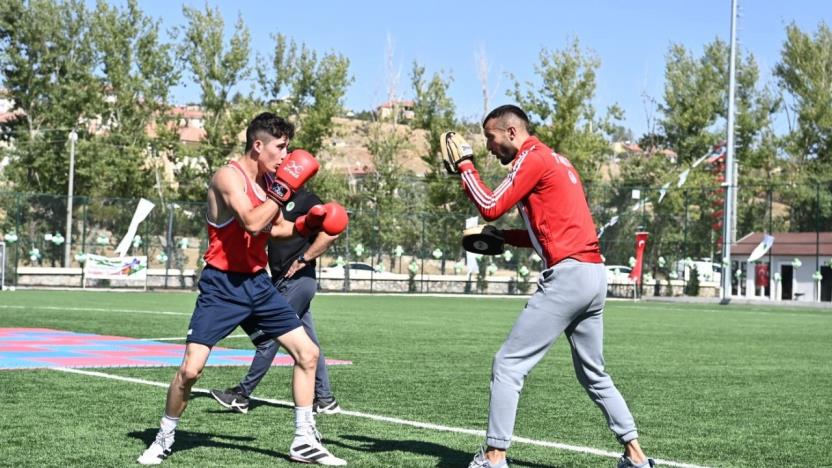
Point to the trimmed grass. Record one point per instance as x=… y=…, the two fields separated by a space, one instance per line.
x=708 y=385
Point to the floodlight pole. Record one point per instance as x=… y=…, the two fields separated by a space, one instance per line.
x=729 y=184
x=73 y=137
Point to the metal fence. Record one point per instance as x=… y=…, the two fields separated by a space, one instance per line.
x=421 y=252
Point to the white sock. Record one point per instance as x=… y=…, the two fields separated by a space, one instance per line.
x=303 y=419
x=168 y=424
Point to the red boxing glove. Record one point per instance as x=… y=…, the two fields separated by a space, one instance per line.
x=331 y=218
x=298 y=167
x=336 y=219
x=311 y=222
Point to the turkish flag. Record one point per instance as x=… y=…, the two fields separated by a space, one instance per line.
x=641 y=242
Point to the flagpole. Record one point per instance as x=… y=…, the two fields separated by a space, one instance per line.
x=729 y=184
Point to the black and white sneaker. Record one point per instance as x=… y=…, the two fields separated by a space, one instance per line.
x=326 y=406
x=307 y=448
x=232 y=399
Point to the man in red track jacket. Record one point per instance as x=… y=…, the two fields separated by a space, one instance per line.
x=571 y=292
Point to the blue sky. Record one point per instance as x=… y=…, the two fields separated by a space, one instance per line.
x=630 y=37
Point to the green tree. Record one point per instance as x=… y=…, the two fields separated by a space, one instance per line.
x=756 y=147
x=386 y=216
x=217 y=69
x=561 y=108
x=137 y=73
x=307 y=90
x=434 y=113
x=805 y=75
x=48 y=65
x=695 y=96
x=693 y=120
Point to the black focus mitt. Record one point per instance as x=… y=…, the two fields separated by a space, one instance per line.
x=484 y=239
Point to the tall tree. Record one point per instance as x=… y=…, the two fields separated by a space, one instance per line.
x=693 y=120
x=218 y=70
x=387 y=215
x=561 y=107
x=756 y=147
x=805 y=74
x=48 y=66
x=694 y=99
x=307 y=89
x=434 y=112
x=137 y=73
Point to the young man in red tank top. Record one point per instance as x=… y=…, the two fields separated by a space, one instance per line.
x=234 y=286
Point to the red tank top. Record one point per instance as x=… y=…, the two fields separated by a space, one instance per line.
x=232 y=248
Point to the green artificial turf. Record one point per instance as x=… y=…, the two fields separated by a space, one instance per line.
x=708 y=385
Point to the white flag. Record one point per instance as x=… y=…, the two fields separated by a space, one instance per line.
x=470 y=257
x=762 y=248
x=682 y=178
x=663 y=191
x=640 y=205
x=699 y=161
x=611 y=223
x=144 y=209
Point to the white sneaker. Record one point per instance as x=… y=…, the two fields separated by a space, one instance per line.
x=480 y=461
x=158 y=450
x=307 y=448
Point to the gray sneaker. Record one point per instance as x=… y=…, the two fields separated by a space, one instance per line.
x=480 y=461
x=625 y=462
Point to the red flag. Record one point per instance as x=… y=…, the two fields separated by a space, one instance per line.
x=641 y=241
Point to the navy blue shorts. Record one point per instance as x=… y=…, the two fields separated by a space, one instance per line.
x=298 y=292
x=227 y=299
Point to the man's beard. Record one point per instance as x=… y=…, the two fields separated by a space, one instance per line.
x=506 y=156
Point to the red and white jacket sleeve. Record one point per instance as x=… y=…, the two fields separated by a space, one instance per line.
x=517 y=185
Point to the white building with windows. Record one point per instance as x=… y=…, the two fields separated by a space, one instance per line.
x=798 y=267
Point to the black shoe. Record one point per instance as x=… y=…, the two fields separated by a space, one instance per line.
x=232 y=399
x=326 y=406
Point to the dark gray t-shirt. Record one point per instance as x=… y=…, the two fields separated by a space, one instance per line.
x=282 y=252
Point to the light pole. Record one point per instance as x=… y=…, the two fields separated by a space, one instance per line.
x=730 y=181
x=73 y=137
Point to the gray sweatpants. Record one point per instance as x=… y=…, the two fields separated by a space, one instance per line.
x=298 y=292
x=569 y=299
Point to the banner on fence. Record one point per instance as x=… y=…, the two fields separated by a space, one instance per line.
x=115 y=268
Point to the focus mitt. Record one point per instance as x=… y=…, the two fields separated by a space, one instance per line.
x=484 y=239
x=454 y=150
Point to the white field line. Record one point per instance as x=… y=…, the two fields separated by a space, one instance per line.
x=182 y=338
x=93 y=309
x=461 y=296
x=397 y=421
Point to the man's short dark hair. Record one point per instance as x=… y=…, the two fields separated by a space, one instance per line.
x=507 y=109
x=268 y=123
